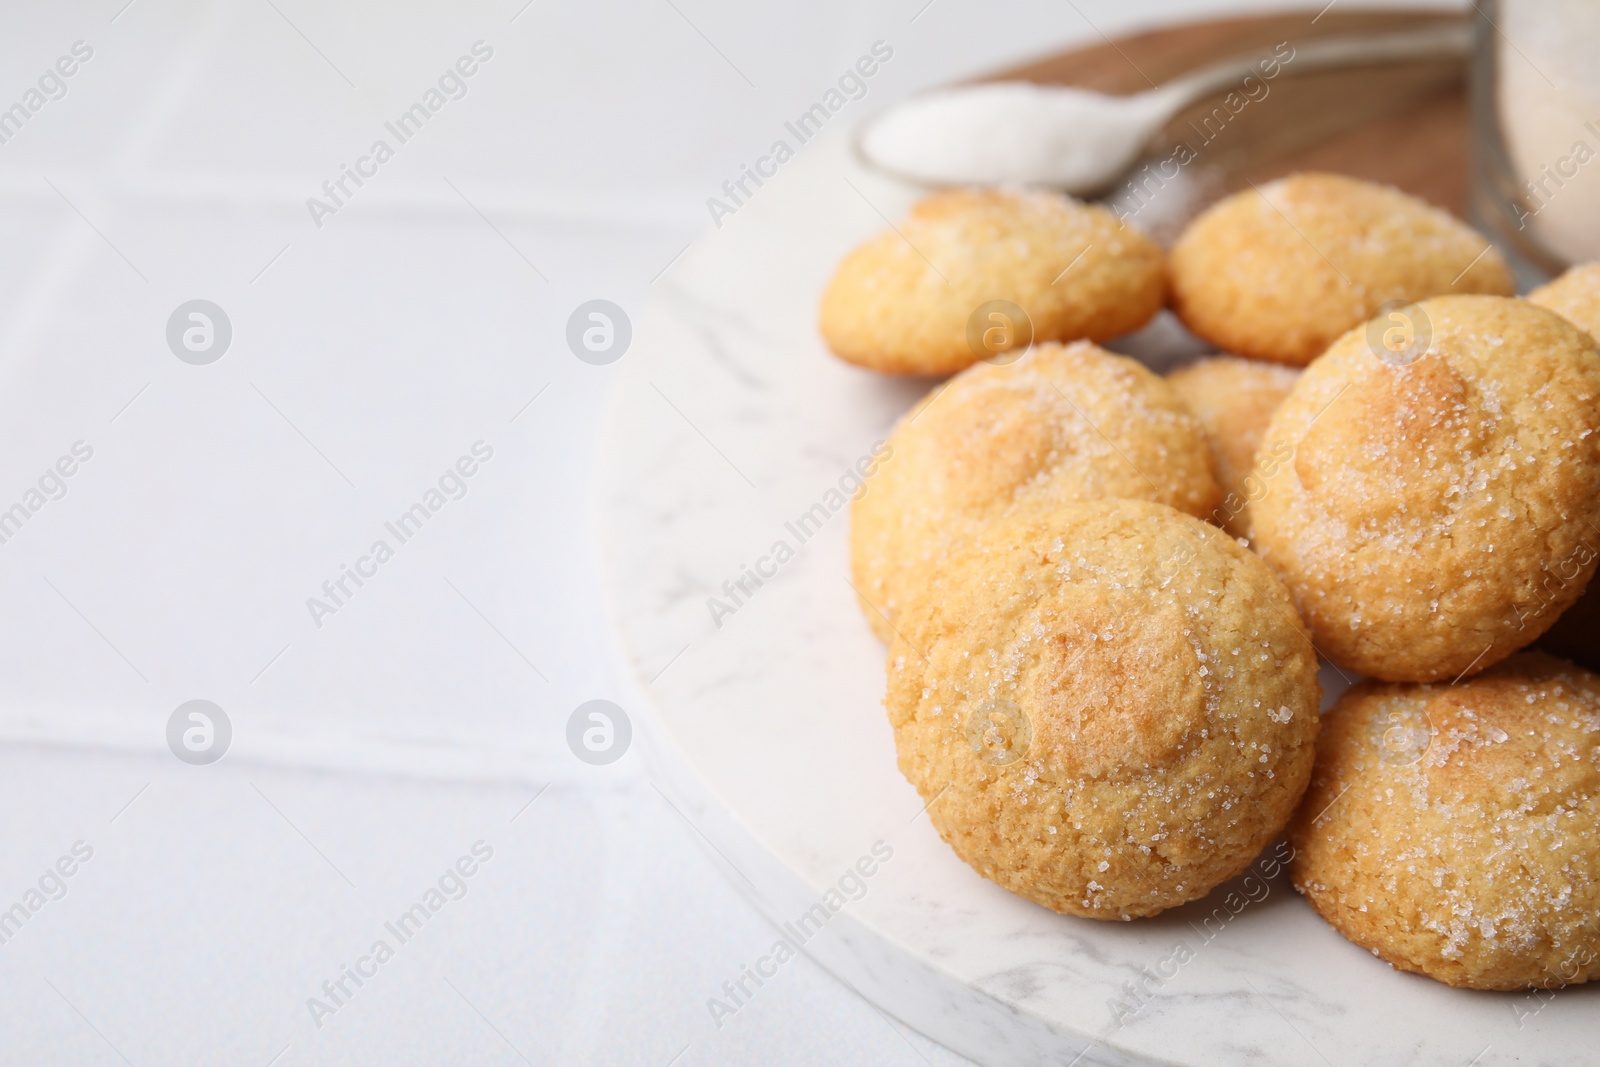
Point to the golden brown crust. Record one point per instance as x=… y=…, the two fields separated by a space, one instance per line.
x=1111 y=709
x=1062 y=423
x=1438 y=516
x=1234 y=399
x=1451 y=829
x=901 y=302
x=1279 y=272
x=1575 y=296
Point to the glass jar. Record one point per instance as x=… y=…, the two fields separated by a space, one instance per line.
x=1536 y=131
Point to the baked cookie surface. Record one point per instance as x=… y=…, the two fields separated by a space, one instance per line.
x=1575 y=296
x=1280 y=271
x=1111 y=709
x=904 y=301
x=1452 y=829
x=1234 y=399
x=1439 y=515
x=1062 y=423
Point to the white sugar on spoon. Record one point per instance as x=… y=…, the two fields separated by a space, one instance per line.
x=1079 y=140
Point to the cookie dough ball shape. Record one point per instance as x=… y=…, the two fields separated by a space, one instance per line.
x=1110 y=710
x=1061 y=424
x=1234 y=399
x=1278 y=272
x=1452 y=829
x=1437 y=516
x=901 y=303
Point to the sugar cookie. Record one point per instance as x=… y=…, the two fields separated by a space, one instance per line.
x=906 y=301
x=1452 y=829
x=1063 y=423
x=1110 y=709
x=1278 y=272
x=1438 y=515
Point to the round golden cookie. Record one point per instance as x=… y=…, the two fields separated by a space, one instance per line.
x=1436 y=515
x=1234 y=400
x=903 y=302
x=1278 y=272
x=1062 y=423
x=1454 y=830
x=1110 y=710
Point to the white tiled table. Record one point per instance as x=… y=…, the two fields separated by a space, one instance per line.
x=368 y=354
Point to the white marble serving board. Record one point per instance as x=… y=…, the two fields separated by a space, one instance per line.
x=728 y=421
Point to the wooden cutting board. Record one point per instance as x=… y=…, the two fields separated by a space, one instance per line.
x=1404 y=124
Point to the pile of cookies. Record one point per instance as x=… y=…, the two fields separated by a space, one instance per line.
x=1107 y=593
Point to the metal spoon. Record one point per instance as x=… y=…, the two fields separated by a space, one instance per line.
x=1079 y=140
